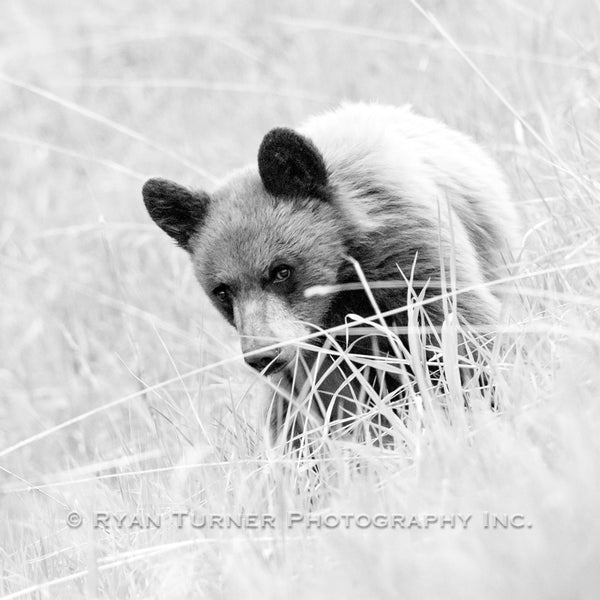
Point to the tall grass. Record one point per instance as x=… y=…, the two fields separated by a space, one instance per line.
x=124 y=392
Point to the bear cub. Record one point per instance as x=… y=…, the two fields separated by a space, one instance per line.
x=362 y=192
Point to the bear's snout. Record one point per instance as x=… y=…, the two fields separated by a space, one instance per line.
x=267 y=362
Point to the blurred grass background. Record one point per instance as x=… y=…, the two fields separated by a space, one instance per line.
x=97 y=304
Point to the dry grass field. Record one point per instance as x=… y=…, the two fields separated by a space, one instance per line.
x=123 y=391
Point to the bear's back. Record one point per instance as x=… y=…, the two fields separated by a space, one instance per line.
x=387 y=162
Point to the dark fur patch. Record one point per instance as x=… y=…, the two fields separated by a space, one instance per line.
x=176 y=209
x=291 y=165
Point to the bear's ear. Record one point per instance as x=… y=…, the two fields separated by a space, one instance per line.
x=291 y=165
x=176 y=209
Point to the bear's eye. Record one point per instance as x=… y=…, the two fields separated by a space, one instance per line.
x=221 y=293
x=281 y=273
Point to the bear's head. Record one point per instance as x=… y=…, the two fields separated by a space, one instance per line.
x=259 y=241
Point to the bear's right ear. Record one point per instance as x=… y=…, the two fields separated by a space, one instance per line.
x=176 y=209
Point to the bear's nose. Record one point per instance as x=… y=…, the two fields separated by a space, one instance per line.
x=267 y=361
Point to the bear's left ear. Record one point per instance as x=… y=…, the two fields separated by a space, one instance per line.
x=291 y=165
x=176 y=209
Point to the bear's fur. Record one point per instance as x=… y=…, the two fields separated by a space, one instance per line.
x=401 y=194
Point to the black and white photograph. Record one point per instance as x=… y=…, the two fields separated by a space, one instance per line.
x=300 y=299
